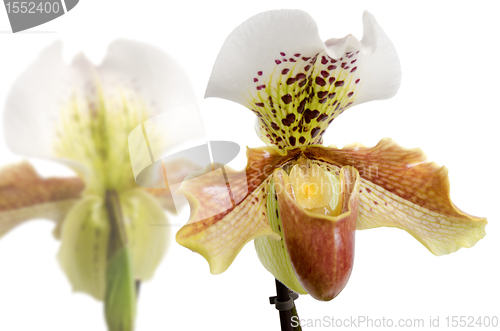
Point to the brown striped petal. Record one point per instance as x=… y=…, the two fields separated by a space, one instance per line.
x=24 y=196
x=401 y=188
x=228 y=208
x=321 y=248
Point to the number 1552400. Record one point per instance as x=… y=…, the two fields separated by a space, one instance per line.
x=25 y=7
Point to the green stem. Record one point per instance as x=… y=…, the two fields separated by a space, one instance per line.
x=121 y=287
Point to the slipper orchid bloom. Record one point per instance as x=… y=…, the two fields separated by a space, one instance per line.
x=81 y=115
x=301 y=201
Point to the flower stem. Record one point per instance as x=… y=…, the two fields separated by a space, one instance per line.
x=118 y=235
x=121 y=287
x=283 y=296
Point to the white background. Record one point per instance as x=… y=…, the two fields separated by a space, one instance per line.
x=447 y=105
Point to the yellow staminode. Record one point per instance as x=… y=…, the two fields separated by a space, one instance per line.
x=315 y=189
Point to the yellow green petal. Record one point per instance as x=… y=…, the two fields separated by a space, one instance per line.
x=85 y=238
x=147 y=231
x=83 y=251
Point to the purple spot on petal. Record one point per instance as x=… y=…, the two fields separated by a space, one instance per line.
x=320 y=81
x=310 y=115
x=300 y=76
x=322 y=117
x=300 y=109
x=286 y=99
x=290 y=118
x=322 y=94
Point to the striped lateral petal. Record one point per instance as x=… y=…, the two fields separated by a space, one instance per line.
x=276 y=65
x=229 y=208
x=401 y=188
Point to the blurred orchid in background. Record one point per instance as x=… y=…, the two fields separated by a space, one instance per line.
x=81 y=115
x=305 y=201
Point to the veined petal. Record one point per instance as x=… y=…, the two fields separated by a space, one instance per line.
x=147 y=232
x=401 y=188
x=229 y=208
x=276 y=65
x=321 y=248
x=25 y=196
x=84 y=245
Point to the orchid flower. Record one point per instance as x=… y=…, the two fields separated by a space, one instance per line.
x=81 y=115
x=299 y=200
